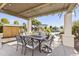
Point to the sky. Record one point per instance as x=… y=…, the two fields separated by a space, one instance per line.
x=51 y=20
x=55 y=20
x=12 y=18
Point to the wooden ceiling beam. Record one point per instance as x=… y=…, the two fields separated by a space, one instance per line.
x=30 y=8
x=51 y=12
x=3 y=4
x=14 y=14
x=71 y=7
x=34 y=8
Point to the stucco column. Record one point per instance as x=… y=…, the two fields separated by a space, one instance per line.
x=68 y=38
x=29 y=28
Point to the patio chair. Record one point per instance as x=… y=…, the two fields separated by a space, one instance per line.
x=20 y=41
x=30 y=43
x=46 y=45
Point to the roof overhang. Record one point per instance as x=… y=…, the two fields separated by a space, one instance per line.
x=29 y=10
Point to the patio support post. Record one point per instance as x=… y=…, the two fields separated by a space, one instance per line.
x=29 y=25
x=68 y=38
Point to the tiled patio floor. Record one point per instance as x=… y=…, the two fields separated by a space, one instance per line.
x=9 y=49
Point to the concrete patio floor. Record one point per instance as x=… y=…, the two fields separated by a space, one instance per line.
x=9 y=49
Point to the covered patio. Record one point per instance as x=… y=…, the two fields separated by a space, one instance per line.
x=31 y=10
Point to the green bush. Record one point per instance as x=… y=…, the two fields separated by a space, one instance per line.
x=5 y=21
x=16 y=22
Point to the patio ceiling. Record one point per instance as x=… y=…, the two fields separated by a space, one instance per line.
x=28 y=10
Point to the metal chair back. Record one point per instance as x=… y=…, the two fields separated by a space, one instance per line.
x=19 y=39
x=51 y=39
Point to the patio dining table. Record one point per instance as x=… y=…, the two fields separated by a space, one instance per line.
x=39 y=38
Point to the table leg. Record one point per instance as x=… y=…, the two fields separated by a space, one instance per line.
x=33 y=48
x=40 y=46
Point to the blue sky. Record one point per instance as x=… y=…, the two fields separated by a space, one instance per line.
x=53 y=20
x=12 y=18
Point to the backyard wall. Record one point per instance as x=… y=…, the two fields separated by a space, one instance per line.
x=10 y=31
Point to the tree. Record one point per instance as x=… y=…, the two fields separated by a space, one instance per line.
x=5 y=21
x=1 y=27
x=61 y=30
x=75 y=27
x=36 y=22
x=61 y=27
x=1 y=24
x=24 y=27
x=47 y=30
x=55 y=29
x=51 y=28
x=16 y=22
